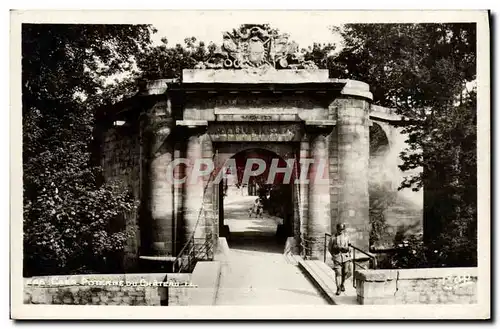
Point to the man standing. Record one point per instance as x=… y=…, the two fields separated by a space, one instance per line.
x=339 y=249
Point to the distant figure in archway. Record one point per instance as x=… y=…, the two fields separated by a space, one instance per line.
x=256 y=209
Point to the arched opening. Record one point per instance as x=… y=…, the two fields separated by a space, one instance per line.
x=379 y=150
x=256 y=212
x=381 y=191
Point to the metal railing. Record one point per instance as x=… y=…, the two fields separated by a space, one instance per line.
x=306 y=248
x=193 y=250
x=196 y=249
x=355 y=263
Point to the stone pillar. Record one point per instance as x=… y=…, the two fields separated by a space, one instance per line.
x=159 y=191
x=303 y=193
x=319 y=190
x=178 y=172
x=353 y=161
x=195 y=207
x=207 y=153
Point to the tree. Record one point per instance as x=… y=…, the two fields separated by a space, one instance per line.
x=69 y=214
x=422 y=71
x=162 y=62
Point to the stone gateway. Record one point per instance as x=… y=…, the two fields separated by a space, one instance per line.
x=273 y=103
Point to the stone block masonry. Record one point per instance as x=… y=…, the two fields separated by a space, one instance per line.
x=349 y=168
x=121 y=166
x=153 y=289
x=417 y=286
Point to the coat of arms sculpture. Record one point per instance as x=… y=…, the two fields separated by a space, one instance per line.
x=256 y=46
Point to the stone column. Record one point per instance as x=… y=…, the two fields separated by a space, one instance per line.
x=178 y=172
x=319 y=190
x=303 y=192
x=158 y=190
x=353 y=161
x=207 y=153
x=198 y=146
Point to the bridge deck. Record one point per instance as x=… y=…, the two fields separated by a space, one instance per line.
x=255 y=271
x=253 y=277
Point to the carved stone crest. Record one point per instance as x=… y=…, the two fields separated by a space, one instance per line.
x=256 y=46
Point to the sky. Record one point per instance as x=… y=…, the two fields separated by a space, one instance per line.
x=209 y=26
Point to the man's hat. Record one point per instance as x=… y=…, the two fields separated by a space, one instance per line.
x=340 y=227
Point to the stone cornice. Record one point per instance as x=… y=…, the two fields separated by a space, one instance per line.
x=255 y=76
x=356 y=88
x=319 y=126
x=191 y=123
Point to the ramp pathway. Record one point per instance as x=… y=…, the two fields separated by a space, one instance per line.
x=255 y=272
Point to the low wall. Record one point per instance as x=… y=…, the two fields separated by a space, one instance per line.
x=417 y=286
x=153 y=289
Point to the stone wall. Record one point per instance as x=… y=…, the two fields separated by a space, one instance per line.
x=153 y=289
x=121 y=156
x=417 y=286
x=121 y=165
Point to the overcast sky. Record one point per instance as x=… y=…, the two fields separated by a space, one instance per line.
x=208 y=26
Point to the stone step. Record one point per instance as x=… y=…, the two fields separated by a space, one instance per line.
x=323 y=277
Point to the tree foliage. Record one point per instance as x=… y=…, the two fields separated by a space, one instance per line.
x=162 y=61
x=423 y=70
x=67 y=211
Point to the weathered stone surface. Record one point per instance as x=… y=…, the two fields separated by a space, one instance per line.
x=205 y=277
x=319 y=196
x=352 y=153
x=137 y=289
x=156 y=87
x=254 y=76
x=417 y=286
x=253 y=132
x=196 y=199
x=356 y=88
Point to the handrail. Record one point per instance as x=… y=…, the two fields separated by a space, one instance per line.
x=192 y=237
x=195 y=252
x=372 y=258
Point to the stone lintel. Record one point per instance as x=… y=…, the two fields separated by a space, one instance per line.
x=320 y=126
x=257 y=111
x=191 y=123
x=257 y=114
x=321 y=123
x=255 y=76
x=257 y=117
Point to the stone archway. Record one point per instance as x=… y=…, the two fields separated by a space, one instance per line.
x=275 y=190
x=380 y=189
x=379 y=151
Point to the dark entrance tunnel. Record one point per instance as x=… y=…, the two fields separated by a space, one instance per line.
x=243 y=228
